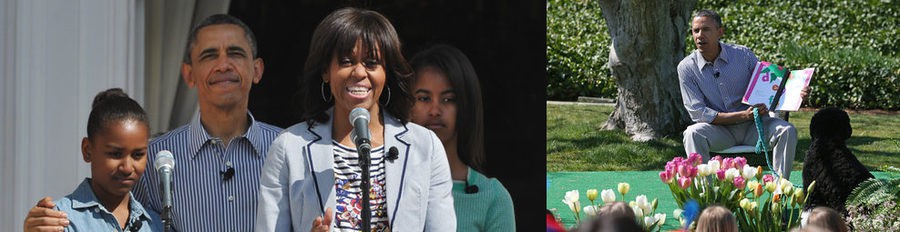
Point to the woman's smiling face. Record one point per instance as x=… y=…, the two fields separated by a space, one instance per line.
x=356 y=79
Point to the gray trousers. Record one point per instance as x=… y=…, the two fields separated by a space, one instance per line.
x=704 y=137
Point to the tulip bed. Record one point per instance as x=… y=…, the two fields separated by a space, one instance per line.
x=641 y=183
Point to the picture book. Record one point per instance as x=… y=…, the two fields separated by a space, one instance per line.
x=773 y=85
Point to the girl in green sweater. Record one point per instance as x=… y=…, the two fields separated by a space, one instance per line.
x=448 y=102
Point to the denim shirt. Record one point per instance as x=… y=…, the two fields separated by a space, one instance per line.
x=87 y=214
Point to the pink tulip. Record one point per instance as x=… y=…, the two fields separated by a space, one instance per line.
x=720 y=174
x=666 y=177
x=693 y=171
x=739 y=182
x=768 y=178
x=739 y=162
x=671 y=167
x=684 y=182
x=694 y=159
x=684 y=170
x=727 y=163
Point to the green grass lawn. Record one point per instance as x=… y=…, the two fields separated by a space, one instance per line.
x=576 y=143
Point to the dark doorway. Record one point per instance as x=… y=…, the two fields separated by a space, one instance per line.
x=505 y=40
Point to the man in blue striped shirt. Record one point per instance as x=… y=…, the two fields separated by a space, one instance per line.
x=713 y=78
x=220 y=153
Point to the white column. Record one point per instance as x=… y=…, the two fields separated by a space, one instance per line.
x=56 y=55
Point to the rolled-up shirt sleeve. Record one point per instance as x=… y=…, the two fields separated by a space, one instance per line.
x=691 y=95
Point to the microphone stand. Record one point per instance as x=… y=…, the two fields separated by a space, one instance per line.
x=364 y=162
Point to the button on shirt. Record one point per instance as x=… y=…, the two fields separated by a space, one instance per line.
x=717 y=86
x=87 y=214
x=204 y=200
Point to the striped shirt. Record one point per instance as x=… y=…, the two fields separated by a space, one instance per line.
x=203 y=199
x=711 y=87
x=347 y=171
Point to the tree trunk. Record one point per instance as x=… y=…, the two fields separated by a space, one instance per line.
x=647 y=45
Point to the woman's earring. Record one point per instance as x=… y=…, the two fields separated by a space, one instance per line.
x=326 y=99
x=388 y=97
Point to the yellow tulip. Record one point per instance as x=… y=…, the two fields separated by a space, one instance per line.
x=623 y=188
x=592 y=194
x=770 y=187
x=799 y=196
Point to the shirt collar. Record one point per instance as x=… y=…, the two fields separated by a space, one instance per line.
x=83 y=197
x=199 y=137
x=723 y=56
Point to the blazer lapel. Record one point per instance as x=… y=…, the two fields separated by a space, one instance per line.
x=396 y=169
x=320 y=156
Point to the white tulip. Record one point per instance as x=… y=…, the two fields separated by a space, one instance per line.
x=608 y=195
x=703 y=170
x=638 y=212
x=590 y=210
x=731 y=173
x=571 y=200
x=749 y=172
x=677 y=213
x=714 y=165
x=660 y=218
x=572 y=196
x=648 y=220
x=642 y=202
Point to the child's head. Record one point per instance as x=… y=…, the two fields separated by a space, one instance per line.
x=717 y=219
x=448 y=101
x=827 y=218
x=616 y=209
x=116 y=143
x=616 y=216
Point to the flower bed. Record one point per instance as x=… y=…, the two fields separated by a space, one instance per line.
x=760 y=202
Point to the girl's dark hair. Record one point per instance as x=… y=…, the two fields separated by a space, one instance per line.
x=337 y=35
x=451 y=62
x=113 y=105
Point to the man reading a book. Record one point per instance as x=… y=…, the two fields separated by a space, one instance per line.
x=713 y=78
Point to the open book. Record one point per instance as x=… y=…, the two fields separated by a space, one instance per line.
x=779 y=89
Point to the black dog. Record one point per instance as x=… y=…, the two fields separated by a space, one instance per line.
x=829 y=162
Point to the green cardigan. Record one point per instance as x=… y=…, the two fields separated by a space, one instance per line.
x=490 y=209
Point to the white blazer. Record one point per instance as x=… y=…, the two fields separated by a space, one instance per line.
x=297 y=180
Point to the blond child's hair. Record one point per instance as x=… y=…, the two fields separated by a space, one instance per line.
x=827 y=218
x=716 y=219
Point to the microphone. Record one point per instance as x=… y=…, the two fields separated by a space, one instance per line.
x=716 y=74
x=393 y=154
x=470 y=189
x=227 y=174
x=165 y=168
x=359 y=118
x=134 y=226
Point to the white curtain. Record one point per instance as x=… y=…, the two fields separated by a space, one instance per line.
x=55 y=55
x=170 y=103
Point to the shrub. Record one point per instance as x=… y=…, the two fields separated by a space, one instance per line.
x=577 y=51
